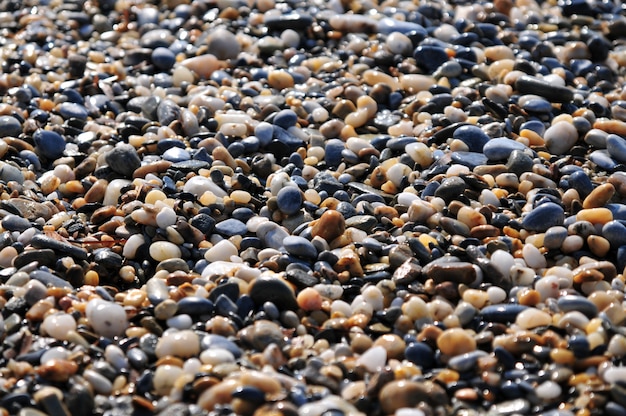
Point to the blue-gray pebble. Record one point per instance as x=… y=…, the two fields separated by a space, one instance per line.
x=500 y=148
x=543 y=217
x=231 y=227
x=474 y=137
x=615 y=232
x=289 y=200
x=9 y=126
x=616 y=146
x=50 y=143
x=163 y=58
x=300 y=246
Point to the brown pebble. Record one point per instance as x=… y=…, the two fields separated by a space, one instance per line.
x=329 y=226
x=599 y=197
x=156 y=167
x=393 y=344
x=458 y=272
x=57 y=370
x=456 y=341
x=403 y=393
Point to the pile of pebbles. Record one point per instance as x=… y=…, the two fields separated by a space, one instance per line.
x=313 y=208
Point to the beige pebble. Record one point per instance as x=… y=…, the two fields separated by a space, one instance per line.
x=533 y=318
x=456 y=341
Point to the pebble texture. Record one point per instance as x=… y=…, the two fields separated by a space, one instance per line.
x=317 y=208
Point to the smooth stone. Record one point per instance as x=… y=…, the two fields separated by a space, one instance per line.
x=163 y=250
x=10 y=173
x=183 y=344
x=231 y=227
x=474 y=137
x=194 y=306
x=285 y=119
x=223 y=44
x=73 y=110
x=603 y=159
x=10 y=126
x=329 y=226
x=333 y=152
x=123 y=159
x=519 y=162
x=560 y=137
x=505 y=313
x=451 y=188
x=554 y=237
x=532 y=318
x=198 y=185
x=163 y=58
x=107 y=319
x=615 y=233
x=500 y=148
x=571 y=303
x=176 y=154
x=289 y=200
x=456 y=341
x=272 y=234
x=401 y=394
x=210 y=341
x=580 y=181
x=543 y=217
x=616 y=146
x=618 y=211
x=13 y=222
x=469 y=159
x=221 y=251
x=457 y=272
x=300 y=246
x=467 y=361
x=553 y=93
x=430 y=57
x=43 y=241
x=50 y=143
x=374 y=359
x=275 y=290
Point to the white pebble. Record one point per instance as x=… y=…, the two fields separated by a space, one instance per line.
x=198 y=185
x=614 y=375
x=164 y=250
x=496 y=295
x=533 y=257
x=222 y=251
x=373 y=359
x=113 y=191
x=166 y=217
x=215 y=356
x=548 y=287
x=165 y=377
x=183 y=344
x=132 y=245
x=59 y=325
x=533 y=318
x=374 y=297
x=503 y=261
x=107 y=319
x=342 y=307
x=548 y=390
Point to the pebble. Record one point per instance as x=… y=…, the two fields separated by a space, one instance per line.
x=107 y=318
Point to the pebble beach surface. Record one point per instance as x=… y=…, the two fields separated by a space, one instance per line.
x=314 y=208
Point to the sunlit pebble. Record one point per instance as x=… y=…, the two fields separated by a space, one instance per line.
x=59 y=325
x=309 y=299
